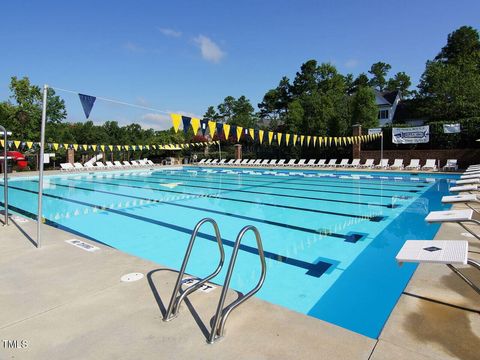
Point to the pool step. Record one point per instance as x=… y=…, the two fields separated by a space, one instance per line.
x=222 y=313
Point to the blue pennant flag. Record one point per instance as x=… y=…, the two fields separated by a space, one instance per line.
x=203 y=126
x=186 y=123
x=87 y=103
x=233 y=131
x=219 y=129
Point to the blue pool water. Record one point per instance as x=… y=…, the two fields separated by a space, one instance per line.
x=330 y=237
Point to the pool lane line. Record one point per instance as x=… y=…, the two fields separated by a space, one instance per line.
x=349 y=238
x=313 y=269
x=214 y=196
x=305 y=180
x=376 y=188
x=266 y=184
x=224 y=190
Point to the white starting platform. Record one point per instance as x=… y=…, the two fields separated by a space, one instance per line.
x=464 y=188
x=455 y=216
x=475 y=180
x=447 y=252
x=467 y=176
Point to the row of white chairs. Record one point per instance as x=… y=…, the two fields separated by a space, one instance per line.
x=430 y=164
x=107 y=165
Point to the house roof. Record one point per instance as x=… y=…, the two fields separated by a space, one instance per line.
x=386 y=97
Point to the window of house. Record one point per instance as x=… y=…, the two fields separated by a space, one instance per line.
x=383 y=114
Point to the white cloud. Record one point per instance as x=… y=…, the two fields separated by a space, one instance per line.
x=132 y=47
x=170 y=32
x=161 y=121
x=210 y=50
x=351 y=63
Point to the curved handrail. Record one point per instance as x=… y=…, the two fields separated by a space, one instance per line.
x=221 y=314
x=175 y=301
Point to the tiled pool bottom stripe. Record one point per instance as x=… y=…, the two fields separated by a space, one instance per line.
x=313 y=269
x=226 y=191
x=374 y=218
x=351 y=237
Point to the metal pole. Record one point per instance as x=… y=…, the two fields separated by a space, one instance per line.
x=381 y=146
x=40 y=175
x=219 y=150
x=5 y=175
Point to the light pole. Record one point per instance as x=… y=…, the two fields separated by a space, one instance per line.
x=40 y=175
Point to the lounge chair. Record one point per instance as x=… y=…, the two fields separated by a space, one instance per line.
x=331 y=163
x=264 y=162
x=100 y=165
x=369 y=163
x=430 y=165
x=451 y=165
x=151 y=163
x=355 y=163
x=459 y=217
x=244 y=162
x=66 y=167
x=475 y=180
x=272 y=162
x=221 y=162
x=281 y=162
x=343 y=163
x=291 y=162
x=301 y=162
x=230 y=162
x=383 y=164
x=118 y=164
x=126 y=164
x=414 y=165
x=214 y=162
x=208 y=161
x=78 y=166
x=237 y=162
x=202 y=161
x=320 y=163
x=448 y=252
x=109 y=164
x=466 y=199
x=397 y=164
x=251 y=162
x=311 y=162
x=88 y=166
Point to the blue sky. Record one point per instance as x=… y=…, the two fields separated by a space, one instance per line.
x=182 y=56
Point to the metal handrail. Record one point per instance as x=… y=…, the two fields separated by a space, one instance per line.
x=472 y=263
x=222 y=314
x=175 y=301
x=5 y=173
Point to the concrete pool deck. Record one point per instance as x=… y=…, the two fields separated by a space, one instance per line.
x=67 y=303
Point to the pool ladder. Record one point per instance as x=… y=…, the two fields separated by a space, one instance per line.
x=221 y=315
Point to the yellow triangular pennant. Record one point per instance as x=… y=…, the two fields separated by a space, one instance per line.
x=65 y=146
x=287 y=139
x=295 y=136
x=239 y=132
x=314 y=141
x=176 y=119
x=252 y=133
x=195 y=125
x=94 y=147
x=75 y=146
x=29 y=144
x=279 y=138
x=301 y=139
x=260 y=136
x=226 y=130
x=270 y=137
x=55 y=146
x=211 y=126
x=308 y=140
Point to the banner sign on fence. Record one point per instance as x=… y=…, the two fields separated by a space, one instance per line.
x=412 y=135
x=374 y=131
x=451 y=128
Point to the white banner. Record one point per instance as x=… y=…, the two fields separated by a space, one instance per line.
x=412 y=135
x=374 y=131
x=451 y=128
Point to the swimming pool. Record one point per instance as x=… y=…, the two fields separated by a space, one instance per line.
x=330 y=237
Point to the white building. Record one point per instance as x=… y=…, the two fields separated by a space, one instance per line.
x=387 y=102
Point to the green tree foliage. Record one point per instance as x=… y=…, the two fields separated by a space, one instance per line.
x=379 y=71
x=364 y=109
x=22 y=113
x=401 y=81
x=235 y=112
x=211 y=114
x=450 y=86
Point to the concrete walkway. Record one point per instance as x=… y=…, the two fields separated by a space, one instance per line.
x=67 y=303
